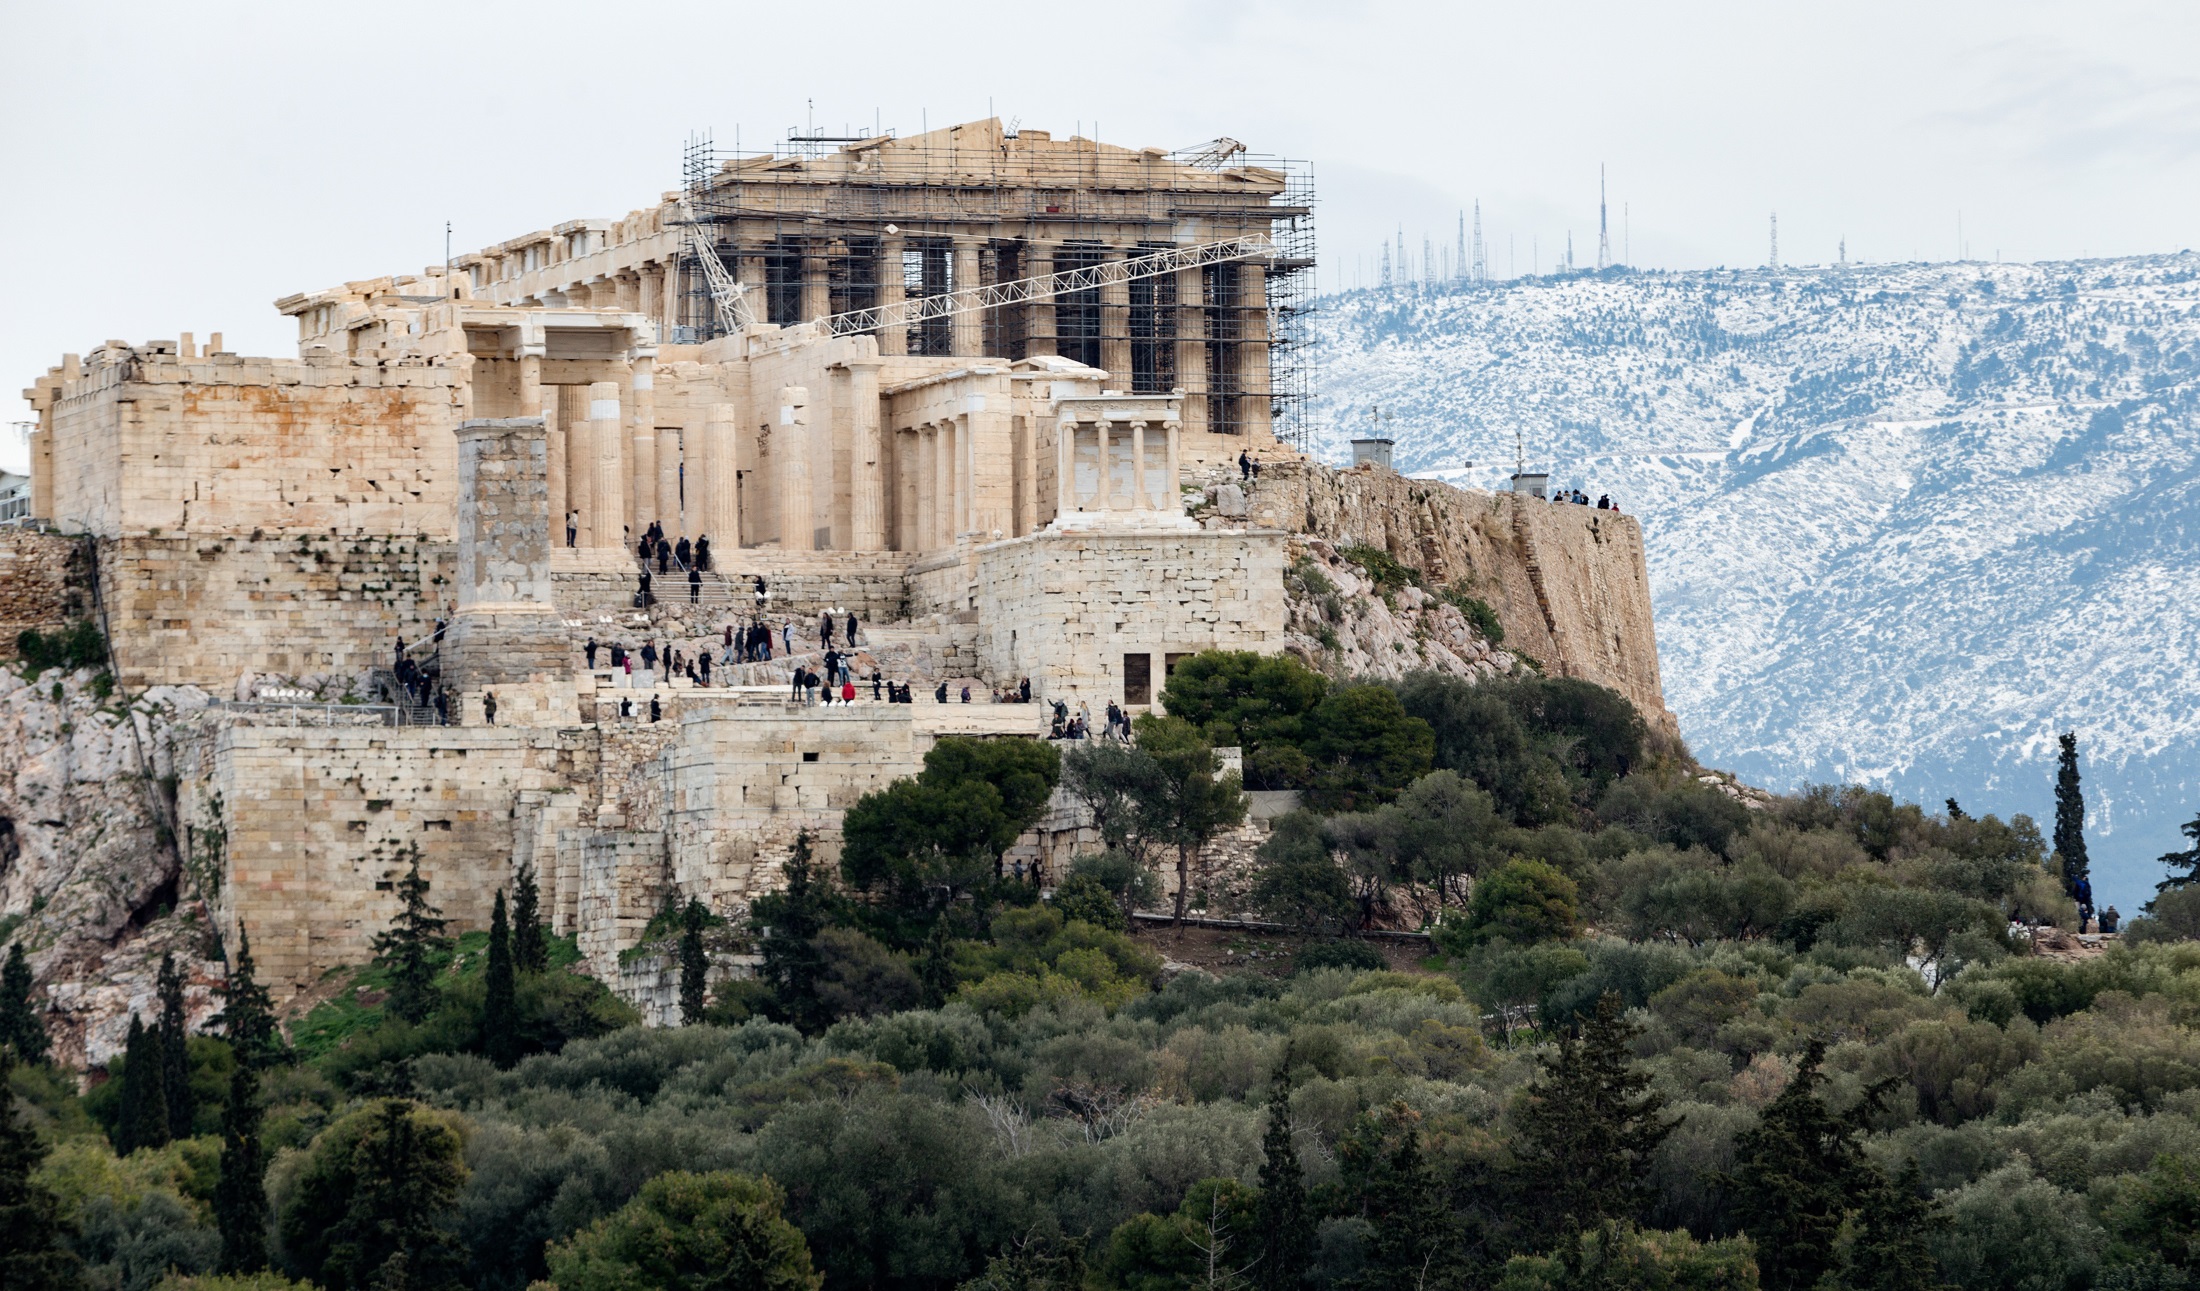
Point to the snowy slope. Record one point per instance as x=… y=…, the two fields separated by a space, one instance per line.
x=1905 y=522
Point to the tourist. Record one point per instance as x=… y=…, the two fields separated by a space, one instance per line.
x=656 y=710
x=874 y=685
x=572 y=528
x=966 y=692
x=630 y=670
x=825 y=631
x=643 y=548
x=796 y=682
x=851 y=630
x=939 y=695
x=810 y=681
x=1245 y=465
x=664 y=556
x=695 y=586
x=644 y=598
x=832 y=665
x=489 y=707
x=2110 y=921
x=763 y=596
x=703 y=664
x=590 y=651
x=1024 y=690
x=847 y=690
x=702 y=553
x=649 y=656
x=626 y=706
x=442 y=708
x=685 y=553
x=786 y=636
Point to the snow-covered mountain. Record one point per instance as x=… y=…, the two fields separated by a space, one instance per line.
x=1905 y=522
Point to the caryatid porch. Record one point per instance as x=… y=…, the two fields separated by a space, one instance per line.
x=1118 y=461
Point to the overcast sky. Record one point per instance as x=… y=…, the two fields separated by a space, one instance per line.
x=178 y=167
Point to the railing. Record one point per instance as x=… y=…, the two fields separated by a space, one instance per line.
x=325 y=714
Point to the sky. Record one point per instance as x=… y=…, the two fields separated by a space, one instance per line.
x=177 y=168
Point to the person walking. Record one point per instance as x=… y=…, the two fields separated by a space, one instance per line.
x=874 y=685
x=590 y=651
x=763 y=594
x=796 y=682
x=702 y=553
x=851 y=629
x=695 y=586
x=825 y=631
x=656 y=710
x=685 y=553
x=1245 y=465
x=702 y=666
x=643 y=549
x=649 y=656
x=664 y=556
x=786 y=636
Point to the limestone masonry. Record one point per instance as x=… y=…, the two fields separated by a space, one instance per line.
x=862 y=403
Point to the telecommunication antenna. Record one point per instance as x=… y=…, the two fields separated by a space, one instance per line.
x=1459 y=263
x=1481 y=263
x=1774 y=262
x=1604 y=230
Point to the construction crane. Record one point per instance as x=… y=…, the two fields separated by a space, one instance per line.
x=1157 y=264
x=728 y=298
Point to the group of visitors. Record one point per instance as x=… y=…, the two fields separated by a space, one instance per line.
x=423 y=683
x=1604 y=501
x=1248 y=466
x=694 y=558
x=665 y=659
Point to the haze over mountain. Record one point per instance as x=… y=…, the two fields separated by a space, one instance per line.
x=1905 y=522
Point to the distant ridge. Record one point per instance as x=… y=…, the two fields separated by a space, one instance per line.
x=1904 y=521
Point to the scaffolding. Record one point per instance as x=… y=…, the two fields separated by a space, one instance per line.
x=819 y=226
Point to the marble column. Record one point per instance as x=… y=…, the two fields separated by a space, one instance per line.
x=1065 y=467
x=1253 y=352
x=671 y=455
x=1191 y=345
x=607 y=491
x=907 y=446
x=791 y=445
x=1173 y=499
x=719 y=485
x=1104 y=500
x=555 y=474
x=1115 y=326
x=866 y=487
x=817 y=292
x=1039 y=314
x=580 y=458
x=644 y=492
x=641 y=489
x=894 y=338
x=927 y=466
x=969 y=325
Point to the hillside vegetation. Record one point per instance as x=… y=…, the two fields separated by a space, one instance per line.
x=1669 y=1033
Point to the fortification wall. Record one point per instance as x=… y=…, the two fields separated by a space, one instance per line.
x=309 y=828
x=203 y=611
x=1569 y=583
x=45 y=579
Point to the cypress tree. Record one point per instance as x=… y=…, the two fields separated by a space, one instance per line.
x=240 y=1195
x=1286 y=1230
x=530 y=953
x=1801 y=1173
x=2070 y=815
x=694 y=966
x=144 y=1093
x=936 y=964
x=1407 y=1249
x=248 y=1012
x=175 y=1053
x=2187 y=860
x=1893 y=1247
x=404 y=1177
x=500 y=1005
x=1955 y=810
x=21 y=1029
x=1588 y=1130
x=407 y=949
x=33 y=1228
x=790 y=920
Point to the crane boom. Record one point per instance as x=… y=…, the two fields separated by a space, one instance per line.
x=728 y=298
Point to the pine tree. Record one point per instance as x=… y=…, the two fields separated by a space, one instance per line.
x=144 y=1120
x=694 y=965
x=21 y=1029
x=34 y=1230
x=2070 y=815
x=1409 y=1242
x=1286 y=1230
x=240 y=1195
x=405 y=1177
x=936 y=964
x=407 y=950
x=1893 y=1247
x=248 y=1012
x=530 y=953
x=1588 y=1130
x=1801 y=1173
x=790 y=920
x=500 y=1003
x=1955 y=810
x=175 y=1053
x=2187 y=860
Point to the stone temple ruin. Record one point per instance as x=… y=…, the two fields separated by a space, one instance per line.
x=985 y=391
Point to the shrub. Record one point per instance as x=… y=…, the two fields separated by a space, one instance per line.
x=1382 y=568
x=80 y=645
x=1477 y=611
x=689 y=1232
x=1338 y=952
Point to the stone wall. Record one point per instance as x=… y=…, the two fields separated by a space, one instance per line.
x=309 y=828
x=203 y=611
x=1071 y=610
x=45 y=579
x=1569 y=583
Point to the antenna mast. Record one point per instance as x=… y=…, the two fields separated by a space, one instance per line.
x=1481 y=261
x=1774 y=262
x=1604 y=228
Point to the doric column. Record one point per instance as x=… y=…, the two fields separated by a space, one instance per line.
x=893 y=339
x=928 y=490
x=607 y=491
x=969 y=337
x=1039 y=314
x=943 y=483
x=1104 y=500
x=1191 y=345
x=908 y=451
x=1115 y=326
x=1065 y=466
x=530 y=382
x=1253 y=353
x=580 y=458
x=717 y=480
x=672 y=508
x=791 y=444
x=1138 y=466
x=644 y=492
x=626 y=292
x=653 y=293
x=817 y=290
x=553 y=428
x=1026 y=514
x=966 y=475
x=866 y=488
x=641 y=489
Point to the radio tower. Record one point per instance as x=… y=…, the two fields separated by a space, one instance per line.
x=1481 y=261
x=1774 y=262
x=1604 y=230
x=1459 y=265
